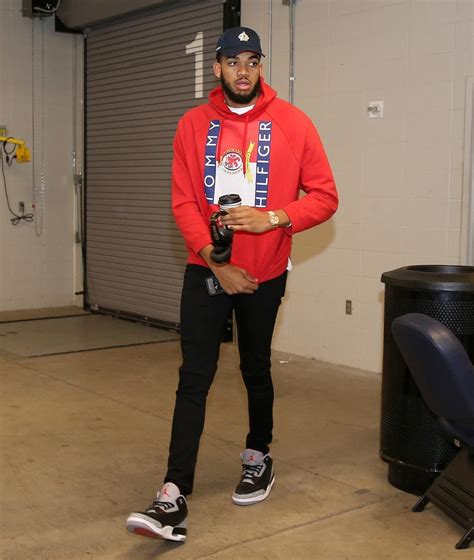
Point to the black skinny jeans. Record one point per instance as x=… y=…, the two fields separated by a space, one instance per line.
x=202 y=321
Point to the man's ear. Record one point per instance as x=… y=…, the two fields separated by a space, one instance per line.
x=217 y=69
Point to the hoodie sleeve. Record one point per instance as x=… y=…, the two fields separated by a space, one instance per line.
x=186 y=209
x=317 y=181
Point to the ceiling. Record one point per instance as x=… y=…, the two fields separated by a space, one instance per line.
x=76 y=15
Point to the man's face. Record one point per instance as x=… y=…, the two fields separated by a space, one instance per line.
x=240 y=78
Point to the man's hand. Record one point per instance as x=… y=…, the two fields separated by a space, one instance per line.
x=248 y=218
x=235 y=280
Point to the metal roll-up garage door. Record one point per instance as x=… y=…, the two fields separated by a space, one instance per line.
x=142 y=73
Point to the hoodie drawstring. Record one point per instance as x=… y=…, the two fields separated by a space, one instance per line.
x=244 y=141
x=221 y=133
x=244 y=158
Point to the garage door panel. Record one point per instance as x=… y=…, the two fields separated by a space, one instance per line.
x=139 y=81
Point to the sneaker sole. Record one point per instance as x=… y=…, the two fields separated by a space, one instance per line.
x=143 y=526
x=238 y=501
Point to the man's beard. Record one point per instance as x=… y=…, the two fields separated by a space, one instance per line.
x=240 y=98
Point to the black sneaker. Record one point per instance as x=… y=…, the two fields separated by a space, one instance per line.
x=165 y=518
x=257 y=478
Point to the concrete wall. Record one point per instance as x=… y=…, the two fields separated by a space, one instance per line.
x=37 y=271
x=399 y=177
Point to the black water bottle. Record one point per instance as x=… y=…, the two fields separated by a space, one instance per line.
x=222 y=235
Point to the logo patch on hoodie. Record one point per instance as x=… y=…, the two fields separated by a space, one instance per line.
x=243 y=171
x=232 y=161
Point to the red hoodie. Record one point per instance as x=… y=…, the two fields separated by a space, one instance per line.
x=266 y=155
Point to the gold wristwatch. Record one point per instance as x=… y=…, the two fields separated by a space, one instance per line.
x=273 y=219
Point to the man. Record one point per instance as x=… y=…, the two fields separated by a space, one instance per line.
x=248 y=142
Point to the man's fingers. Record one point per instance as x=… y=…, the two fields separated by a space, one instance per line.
x=249 y=277
x=237 y=227
x=234 y=220
x=246 y=218
x=253 y=284
x=239 y=211
x=236 y=280
x=248 y=290
x=239 y=214
x=236 y=291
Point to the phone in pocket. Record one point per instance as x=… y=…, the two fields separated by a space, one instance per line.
x=213 y=286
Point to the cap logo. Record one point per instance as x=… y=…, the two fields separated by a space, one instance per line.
x=244 y=37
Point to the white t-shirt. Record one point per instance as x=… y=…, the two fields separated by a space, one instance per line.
x=241 y=110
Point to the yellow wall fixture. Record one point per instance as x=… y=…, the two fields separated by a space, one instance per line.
x=22 y=153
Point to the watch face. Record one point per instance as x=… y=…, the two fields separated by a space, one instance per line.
x=273 y=219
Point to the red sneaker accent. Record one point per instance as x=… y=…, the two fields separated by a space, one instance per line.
x=145 y=533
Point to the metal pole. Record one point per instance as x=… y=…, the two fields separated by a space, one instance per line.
x=270 y=38
x=292 y=51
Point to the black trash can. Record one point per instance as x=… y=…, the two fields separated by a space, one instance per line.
x=411 y=441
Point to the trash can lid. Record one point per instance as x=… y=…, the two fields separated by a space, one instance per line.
x=437 y=277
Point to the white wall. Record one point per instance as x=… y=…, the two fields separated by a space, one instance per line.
x=399 y=178
x=37 y=271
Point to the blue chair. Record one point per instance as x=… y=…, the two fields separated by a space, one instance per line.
x=444 y=375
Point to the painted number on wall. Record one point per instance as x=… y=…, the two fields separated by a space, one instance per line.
x=197 y=48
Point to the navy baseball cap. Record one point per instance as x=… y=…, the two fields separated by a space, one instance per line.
x=238 y=39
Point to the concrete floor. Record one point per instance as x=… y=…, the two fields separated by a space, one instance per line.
x=84 y=440
x=62 y=335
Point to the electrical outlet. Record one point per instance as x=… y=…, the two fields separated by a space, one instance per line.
x=3 y=130
x=21 y=207
x=375 y=109
x=348 y=307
